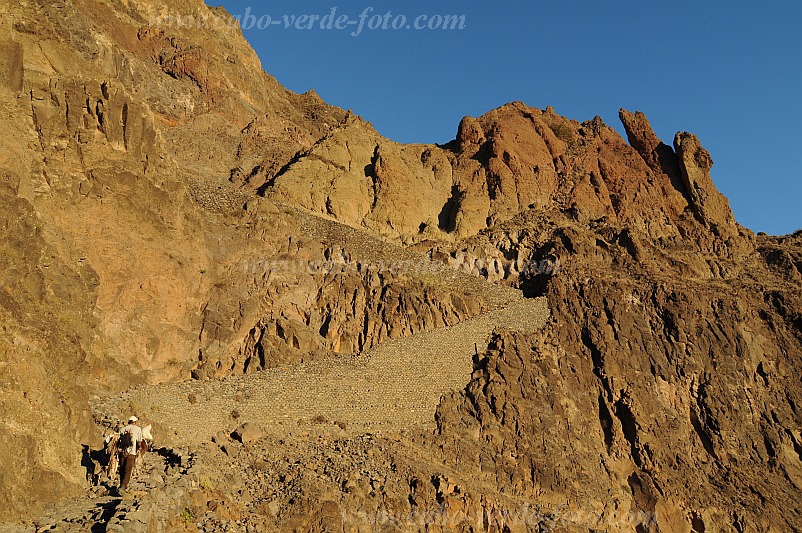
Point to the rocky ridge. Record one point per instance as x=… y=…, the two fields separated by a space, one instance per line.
x=153 y=177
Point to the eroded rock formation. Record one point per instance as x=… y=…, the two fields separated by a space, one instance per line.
x=170 y=211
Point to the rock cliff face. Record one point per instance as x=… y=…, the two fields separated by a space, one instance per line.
x=169 y=212
x=128 y=255
x=656 y=400
x=649 y=393
x=512 y=159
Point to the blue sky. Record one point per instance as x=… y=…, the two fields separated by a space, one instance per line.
x=729 y=71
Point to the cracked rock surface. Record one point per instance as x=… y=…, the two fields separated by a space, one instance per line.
x=538 y=326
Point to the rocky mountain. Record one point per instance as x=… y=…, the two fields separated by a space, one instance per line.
x=539 y=326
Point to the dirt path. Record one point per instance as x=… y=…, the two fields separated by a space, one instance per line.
x=393 y=387
x=158 y=479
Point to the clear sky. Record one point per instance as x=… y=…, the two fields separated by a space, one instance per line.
x=729 y=71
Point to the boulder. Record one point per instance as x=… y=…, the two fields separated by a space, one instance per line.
x=247 y=432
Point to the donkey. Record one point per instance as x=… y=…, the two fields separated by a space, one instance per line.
x=144 y=447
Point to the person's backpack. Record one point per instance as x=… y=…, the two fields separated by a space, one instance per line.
x=126 y=441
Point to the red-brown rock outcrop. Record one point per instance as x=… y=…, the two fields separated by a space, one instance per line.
x=169 y=211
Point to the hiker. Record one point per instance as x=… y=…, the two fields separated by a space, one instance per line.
x=128 y=446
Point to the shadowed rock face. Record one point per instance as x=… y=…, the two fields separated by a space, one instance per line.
x=648 y=392
x=654 y=401
x=152 y=176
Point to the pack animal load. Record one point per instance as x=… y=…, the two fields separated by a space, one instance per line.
x=126 y=441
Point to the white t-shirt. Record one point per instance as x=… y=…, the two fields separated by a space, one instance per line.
x=136 y=437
